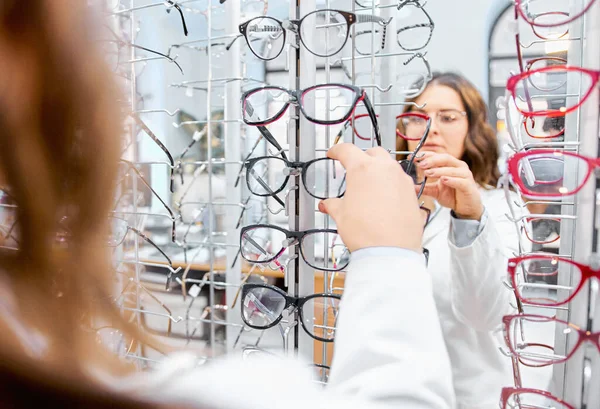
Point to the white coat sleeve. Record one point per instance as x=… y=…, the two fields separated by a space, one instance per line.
x=389 y=346
x=479 y=297
x=389 y=353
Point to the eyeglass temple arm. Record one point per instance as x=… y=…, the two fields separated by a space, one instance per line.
x=153 y=136
x=368 y=18
x=373 y=116
x=119 y=40
x=263 y=130
x=239 y=176
x=132 y=167
x=178 y=7
x=265 y=186
x=143 y=236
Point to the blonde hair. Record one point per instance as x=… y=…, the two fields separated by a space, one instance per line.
x=59 y=149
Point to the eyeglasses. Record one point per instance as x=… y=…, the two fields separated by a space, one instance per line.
x=410 y=83
x=265 y=243
x=541 y=172
x=525 y=269
x=533 y=351
x=118 y=232
x=552 y=78
x=263 y=306
x=362 y=126
x=526 y=398
x=274 y=102
x=408 y=164
x=322 y=178
x=266 y=36
x=528 y=10
x=414 y=37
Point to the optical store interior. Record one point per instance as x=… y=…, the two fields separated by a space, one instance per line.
x=454 y=144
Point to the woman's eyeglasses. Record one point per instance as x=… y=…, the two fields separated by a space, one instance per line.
x=541 y=172
x=525 y=270
x=525 y=336
x=272 y=102
x=263 y=306
x=547 y=81
x=266 y=243
x=527 y=398
x=323 y=32
x=322 y=178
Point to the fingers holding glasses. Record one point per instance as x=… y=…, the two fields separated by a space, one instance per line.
x=451 y=184
x=371 y=214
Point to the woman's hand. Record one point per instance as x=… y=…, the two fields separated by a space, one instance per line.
x=454 y=186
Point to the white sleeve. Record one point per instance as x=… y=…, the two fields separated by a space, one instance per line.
x=389 y=346
x=389 y=353
x=478 y=271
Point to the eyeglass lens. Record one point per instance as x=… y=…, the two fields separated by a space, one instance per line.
x=547 y=90
x=265 y=244
x=545 y=269
x=532 y=400
x=325 y=178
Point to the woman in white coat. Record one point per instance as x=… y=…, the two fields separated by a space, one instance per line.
x=469 y=237
x=59 y=133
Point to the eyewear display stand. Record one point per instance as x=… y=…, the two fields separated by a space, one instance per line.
x=582 y=372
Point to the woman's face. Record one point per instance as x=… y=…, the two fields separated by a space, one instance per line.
x=449 y=126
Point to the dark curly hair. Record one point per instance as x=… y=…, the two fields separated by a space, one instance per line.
x=481 y=145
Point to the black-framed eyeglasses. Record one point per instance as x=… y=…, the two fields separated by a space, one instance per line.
x=266 y=36
x=263 y=306
x=272 y=102
x=266 y=243
x=322 y=178
x=414 y=37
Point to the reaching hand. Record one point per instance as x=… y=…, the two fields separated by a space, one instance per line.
x=379 y=207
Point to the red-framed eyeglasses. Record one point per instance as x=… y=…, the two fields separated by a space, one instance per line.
x=522 y=398
x=524 y=270
x=554 y=77
x=540 y=172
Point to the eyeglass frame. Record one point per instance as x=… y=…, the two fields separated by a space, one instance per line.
x=302 y=166
x=296 y=98
x=294 y=25
x=431 y=24
x=298 y=237
x=511 y=86
x=584 y=335
x=513 y=170
x=297 y=302
x=520 y=10
x=507 y=392
x=586 y=271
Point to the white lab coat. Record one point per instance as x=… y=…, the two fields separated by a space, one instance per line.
x=472 y=299
x=389 y=353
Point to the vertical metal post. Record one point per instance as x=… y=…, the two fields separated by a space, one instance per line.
x=210 y=207
x=387 y=113
x=586 y=235
x=232 y=153
x=303 y=149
